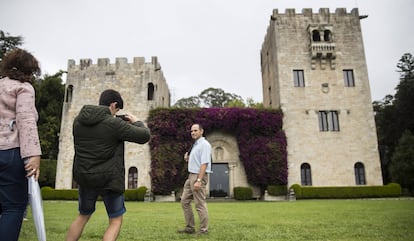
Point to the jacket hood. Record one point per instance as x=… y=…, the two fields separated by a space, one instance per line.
x=93 y=114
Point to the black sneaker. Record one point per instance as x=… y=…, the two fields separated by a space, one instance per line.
x=186 y=230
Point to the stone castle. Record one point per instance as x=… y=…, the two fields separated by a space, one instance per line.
x=313 y=68
x=142 y=86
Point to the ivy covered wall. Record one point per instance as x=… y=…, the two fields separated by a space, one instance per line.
x=260 y=138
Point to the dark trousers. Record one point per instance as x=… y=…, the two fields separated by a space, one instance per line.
x=13 y=194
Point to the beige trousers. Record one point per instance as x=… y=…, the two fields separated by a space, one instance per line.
x=199 y=198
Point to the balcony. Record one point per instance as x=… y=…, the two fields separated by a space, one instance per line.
x=322 y=51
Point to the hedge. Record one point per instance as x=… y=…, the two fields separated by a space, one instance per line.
x=135 y=194
x=243 y=193
x=389 y=190
x=277 y=190
x=49 y=193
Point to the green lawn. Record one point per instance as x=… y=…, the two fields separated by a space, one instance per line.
x=384 y=219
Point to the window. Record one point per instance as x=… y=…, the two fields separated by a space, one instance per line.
x=316 y=37
x=270 y=95
x=298 y=78
x=150 y=91
x=132 y=178
x=328 y=120
x=327 y=36
x=349 y=78
x=69 y=93
x=359 y=173
x=305 y=174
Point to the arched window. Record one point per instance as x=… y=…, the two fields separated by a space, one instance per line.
x=327 y=36
x=132 y=178
x=218 y=153
x=150 y=91
x=305 y=174
x=270 y=95
x=69 y=92
x=316 y=37
x=359 y=173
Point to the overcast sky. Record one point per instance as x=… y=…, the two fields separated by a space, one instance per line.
x=199 y=43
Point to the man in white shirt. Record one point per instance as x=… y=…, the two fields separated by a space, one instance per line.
x=199 y=164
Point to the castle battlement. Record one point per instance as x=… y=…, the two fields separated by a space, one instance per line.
x=120 y=62
x=307 y=12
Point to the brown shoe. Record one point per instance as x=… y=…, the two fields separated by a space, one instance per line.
x=186 y=230
x=202 y=232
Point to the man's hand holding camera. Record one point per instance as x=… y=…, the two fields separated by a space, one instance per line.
x=128 y=117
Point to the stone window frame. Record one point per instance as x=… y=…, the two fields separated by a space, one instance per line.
x=359 y=170
x=321 y=33
x=151 y=91
x=328 y=120
x=133 y=177
x=306 y=174
x=349 y=78
x=298 y=78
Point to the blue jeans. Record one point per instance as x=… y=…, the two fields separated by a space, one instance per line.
x=114 y=202
x=13 y=193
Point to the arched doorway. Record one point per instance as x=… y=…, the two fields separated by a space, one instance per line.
x=228 y=171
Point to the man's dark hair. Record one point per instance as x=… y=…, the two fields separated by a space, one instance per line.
x=110 y=96
x=199 y=126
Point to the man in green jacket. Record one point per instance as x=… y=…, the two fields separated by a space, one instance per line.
x=98 y=165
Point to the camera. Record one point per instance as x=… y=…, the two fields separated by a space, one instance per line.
x=123 y=117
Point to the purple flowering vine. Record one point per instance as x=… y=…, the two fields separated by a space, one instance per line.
x=260 y=138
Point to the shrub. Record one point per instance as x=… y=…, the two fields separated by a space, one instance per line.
x=141 y=193
x=243 y=193
x=49 y=193
x=389 y=190
x=48 y=173
x=277 y=190
x=130 y=194
x=135 y=194
x=298 y=190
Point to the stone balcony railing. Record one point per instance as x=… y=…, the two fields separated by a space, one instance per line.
x=323 y=50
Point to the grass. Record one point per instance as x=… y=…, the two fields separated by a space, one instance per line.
x=364 y=220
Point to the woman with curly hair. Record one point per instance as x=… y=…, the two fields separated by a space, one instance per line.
x=19 y=139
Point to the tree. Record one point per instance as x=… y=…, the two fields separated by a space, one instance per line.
x=8 y=43
x=395 y=114
x=404 y=98
x=49 y=101
x=406 y=66
x=190 y=102
x=213 y=97
x=252 y=104
x=235 y=103
x=402 y=165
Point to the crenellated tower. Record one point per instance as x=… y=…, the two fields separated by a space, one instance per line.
x=142 y=86
x=314 y=68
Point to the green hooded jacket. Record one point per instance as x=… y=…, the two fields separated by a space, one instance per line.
x=99 y=147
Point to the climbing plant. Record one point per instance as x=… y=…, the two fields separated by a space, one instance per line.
x=259 y=134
